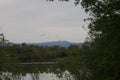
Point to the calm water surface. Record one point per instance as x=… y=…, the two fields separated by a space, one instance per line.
x=36 y=76
x=34 y=72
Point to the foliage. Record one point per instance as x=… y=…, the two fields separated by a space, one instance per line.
x=102 y=57
x=104 y=31
x=30 y=53
x=99 y=59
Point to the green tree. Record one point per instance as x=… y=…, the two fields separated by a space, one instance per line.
x=3 y=41
x=103 y=56
x=104 y=31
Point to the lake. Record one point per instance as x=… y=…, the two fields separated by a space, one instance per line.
x=36 y=76
x=38 y=72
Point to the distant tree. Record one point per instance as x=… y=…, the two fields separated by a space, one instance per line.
x=23 y=44
x=3 y=41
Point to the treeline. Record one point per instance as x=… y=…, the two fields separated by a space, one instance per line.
x=31 y=53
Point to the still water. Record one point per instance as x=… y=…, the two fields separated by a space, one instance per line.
x=35 y=72
x=35 y=76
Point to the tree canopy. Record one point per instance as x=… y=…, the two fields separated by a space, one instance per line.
x=100 y=58
x=104 y=58
x=104 y=30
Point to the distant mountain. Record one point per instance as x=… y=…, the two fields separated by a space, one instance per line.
x=57 y=43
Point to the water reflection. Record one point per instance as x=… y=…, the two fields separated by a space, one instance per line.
x=35 y=76
x=34 y=72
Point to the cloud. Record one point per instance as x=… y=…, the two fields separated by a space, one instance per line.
x=42 y=35
x=38 y=20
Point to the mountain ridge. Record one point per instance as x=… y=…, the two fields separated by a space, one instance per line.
x=57 y=43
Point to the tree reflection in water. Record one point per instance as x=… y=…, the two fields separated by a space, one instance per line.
x=34 y=72
x=35 y=76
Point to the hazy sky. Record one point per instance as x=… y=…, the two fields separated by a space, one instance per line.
x=41 y=21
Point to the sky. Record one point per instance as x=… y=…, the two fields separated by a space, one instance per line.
x=34 y=21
